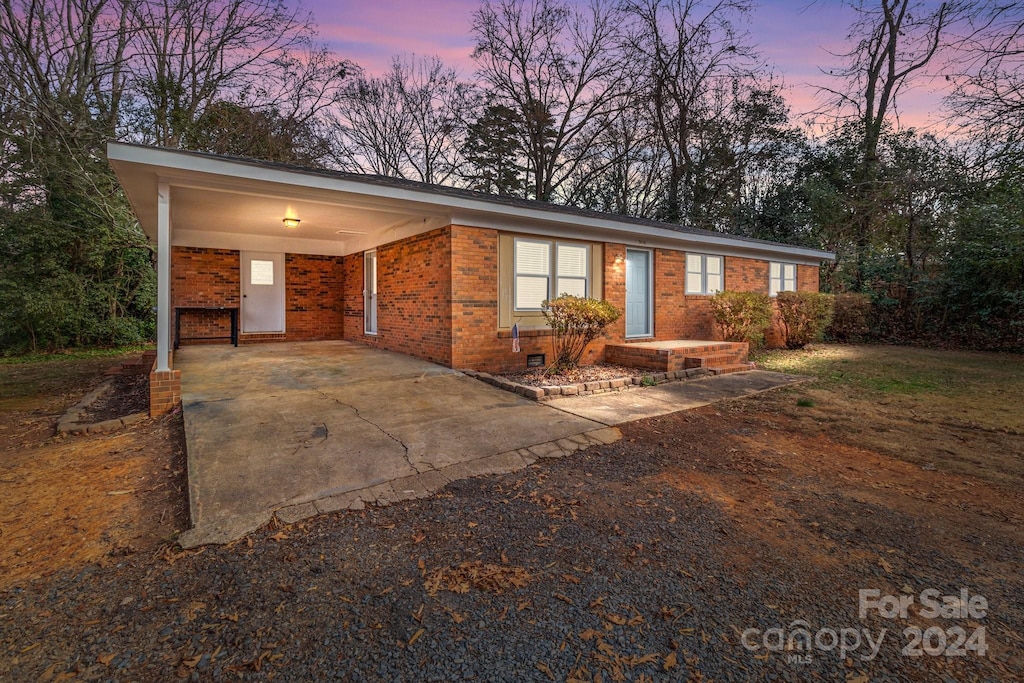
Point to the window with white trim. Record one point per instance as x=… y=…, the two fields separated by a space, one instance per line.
x=781 y=278
x=545 y=269
x=704 y=273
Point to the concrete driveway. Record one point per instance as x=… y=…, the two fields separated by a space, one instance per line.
x=297 y=429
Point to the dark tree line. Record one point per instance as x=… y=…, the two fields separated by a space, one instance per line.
x=656 y=108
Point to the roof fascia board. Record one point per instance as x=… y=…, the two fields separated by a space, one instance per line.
x=475 y=210
x=656 y=240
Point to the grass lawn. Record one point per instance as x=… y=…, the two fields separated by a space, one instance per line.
x=957 y=411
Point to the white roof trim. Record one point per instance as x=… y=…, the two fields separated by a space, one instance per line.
x=176 y=167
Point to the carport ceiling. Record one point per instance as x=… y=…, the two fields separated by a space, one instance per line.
x=223 y=211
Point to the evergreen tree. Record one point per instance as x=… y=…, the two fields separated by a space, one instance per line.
x=493 y=152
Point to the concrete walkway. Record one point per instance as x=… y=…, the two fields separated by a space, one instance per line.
x=638 y=403
x=297 y=429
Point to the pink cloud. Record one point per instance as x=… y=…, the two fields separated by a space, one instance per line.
x=795 y=38
x=370 y=33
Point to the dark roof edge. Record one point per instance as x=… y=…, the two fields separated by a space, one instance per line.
x=496 y=200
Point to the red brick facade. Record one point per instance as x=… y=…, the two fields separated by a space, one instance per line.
x=313 y=297
x=212 y=277
x=437 y=297
x=414 y=291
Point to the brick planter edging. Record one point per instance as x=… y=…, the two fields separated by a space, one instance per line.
x=584 y=388
x=69 y=421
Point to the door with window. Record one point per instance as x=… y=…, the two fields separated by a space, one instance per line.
x=638 y=293
x=370 y=292
x=262 y=292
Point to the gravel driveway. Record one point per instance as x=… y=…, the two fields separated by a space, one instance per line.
x=644 y=560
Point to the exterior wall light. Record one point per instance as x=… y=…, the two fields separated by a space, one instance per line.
x=291 y=223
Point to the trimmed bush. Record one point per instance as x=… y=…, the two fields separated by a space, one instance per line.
x=576 y=321
x=804 y=315
x=742 y=316
x=851 y=319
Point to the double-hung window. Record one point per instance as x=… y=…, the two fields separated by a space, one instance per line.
x=545 y=269
x=704 y=273
x=781 y=278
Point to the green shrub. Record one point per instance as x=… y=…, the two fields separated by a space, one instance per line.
x=804 y=316
x=576 y=321
x=851 y=318
x=742 y=316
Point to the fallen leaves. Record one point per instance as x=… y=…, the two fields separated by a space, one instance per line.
x=484 y=576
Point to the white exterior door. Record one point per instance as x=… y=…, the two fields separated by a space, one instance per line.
x=638 y=293
x=370 y=292
x=262 y=292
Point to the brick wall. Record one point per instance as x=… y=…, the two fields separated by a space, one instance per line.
x=679 y=315
x=212 y=277
x=477 y=342
x=414 y=314
x=204 y=277
x=313 y=297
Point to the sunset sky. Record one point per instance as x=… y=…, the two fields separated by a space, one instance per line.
x=794 y=36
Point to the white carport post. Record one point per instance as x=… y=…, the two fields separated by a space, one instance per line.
x=163 y=277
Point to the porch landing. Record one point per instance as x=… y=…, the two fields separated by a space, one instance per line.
x=671 y=355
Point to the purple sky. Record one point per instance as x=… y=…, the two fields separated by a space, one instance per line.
x=793 y=35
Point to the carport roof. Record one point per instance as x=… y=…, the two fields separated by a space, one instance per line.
x=252 y=196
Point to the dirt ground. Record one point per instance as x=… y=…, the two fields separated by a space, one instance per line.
x=759 y=512
x=70 y=501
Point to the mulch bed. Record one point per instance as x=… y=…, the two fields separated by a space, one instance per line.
x=129 y=394
x=586 y=373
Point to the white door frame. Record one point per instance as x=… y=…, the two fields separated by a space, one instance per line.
x=245 y=274
x=649 y=332
x=370 y=292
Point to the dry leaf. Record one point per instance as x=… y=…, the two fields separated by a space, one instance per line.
x=546 y=669
x=885 y=565
x=416 y=636
x=670 y=661
x=616 y=619
x=279 y=536
x=472 y=524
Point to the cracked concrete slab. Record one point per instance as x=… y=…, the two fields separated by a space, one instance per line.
x=311 y=427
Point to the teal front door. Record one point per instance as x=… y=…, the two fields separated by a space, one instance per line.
x=638 y=293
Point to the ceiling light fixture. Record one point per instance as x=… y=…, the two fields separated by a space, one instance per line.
x=291 y=222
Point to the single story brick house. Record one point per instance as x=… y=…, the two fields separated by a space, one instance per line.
x=440 y=273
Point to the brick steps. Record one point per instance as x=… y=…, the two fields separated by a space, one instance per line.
x=715 y=357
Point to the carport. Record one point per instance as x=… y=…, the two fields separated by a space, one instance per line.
x=296 y=429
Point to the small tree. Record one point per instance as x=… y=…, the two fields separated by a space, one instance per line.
x=575 y=322
x=742 y=316
x=804 y=315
